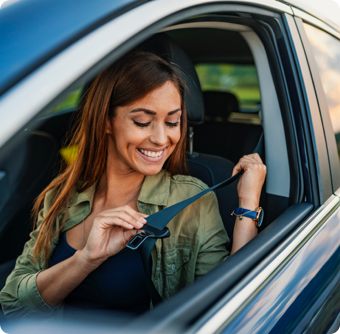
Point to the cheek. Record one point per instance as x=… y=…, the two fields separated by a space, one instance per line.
x=175 y=137
x=127 y=137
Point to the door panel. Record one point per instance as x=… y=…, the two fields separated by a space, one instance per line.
x=302 y=284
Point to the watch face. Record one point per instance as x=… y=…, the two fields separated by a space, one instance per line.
x=260 y=220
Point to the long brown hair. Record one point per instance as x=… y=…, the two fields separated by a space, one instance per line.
x=127 y=80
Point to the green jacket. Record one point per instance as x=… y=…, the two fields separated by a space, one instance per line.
x=197 y=243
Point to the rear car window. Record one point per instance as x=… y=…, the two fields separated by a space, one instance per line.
x=70 y=102
x=240 y=80
x=326 y=50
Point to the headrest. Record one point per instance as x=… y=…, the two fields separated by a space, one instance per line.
x=220 y=104
x=165 y=47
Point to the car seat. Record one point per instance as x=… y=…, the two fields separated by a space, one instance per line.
x=23 y=175
x=239 y=138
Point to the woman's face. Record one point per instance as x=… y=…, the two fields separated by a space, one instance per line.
x=143 y=134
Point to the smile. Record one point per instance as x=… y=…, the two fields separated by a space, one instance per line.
x=151 y=154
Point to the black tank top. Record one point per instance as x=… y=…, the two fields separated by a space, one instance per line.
x=119 y=283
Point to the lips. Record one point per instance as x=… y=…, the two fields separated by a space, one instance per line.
x=151 y=156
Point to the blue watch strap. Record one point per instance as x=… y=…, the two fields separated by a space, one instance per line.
x=256 y=215
x=245 y=213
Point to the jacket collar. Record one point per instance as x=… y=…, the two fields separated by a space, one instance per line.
x=155 y=190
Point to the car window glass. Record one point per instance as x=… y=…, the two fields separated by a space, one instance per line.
x=70 y=101
x=240 y=80
x=326 y=49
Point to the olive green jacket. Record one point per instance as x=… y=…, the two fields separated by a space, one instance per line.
x=197 y=243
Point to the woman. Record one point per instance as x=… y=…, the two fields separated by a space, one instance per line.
x=130 y=164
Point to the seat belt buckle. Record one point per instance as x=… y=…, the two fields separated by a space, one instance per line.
x=145 y=233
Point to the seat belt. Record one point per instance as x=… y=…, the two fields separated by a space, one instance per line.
x=156 y=227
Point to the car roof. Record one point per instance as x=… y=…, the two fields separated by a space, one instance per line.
x=329 y=11
x=32 y=31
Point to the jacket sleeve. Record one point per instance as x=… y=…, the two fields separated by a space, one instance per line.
x=213 y=237
x=20 y=296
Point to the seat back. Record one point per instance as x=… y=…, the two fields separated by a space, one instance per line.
x=213 y=170
x=221 y=137
x=25 y=173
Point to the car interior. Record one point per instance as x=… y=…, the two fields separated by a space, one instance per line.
x=223 y=125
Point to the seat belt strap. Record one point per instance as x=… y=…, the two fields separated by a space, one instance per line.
x=161 y=218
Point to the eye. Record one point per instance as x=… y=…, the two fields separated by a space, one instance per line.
x=172 y=125
x=142 y=125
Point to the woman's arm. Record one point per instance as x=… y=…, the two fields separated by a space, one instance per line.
x=249 y=191
x=110 y=233
x=56 y=283
x=213 y=237
x=32 y=288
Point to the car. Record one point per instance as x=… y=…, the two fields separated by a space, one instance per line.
x=264 y=66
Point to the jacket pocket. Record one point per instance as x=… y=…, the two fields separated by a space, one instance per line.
x=175 y=268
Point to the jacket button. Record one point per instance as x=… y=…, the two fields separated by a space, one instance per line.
x=173 y=267
x=141 y=204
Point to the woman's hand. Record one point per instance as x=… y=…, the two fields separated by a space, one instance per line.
x=111 y=231
x=251 y=182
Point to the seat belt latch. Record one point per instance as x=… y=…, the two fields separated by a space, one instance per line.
x=145 y=233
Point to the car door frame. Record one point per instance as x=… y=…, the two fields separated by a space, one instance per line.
x=322 y=101
x=66 y=85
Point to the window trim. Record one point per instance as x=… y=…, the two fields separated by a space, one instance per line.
x=311 y=118
x=323 y=105
x=298 y=13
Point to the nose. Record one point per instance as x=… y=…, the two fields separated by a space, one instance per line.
x=159 y=135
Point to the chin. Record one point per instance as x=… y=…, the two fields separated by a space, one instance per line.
x=150 y=170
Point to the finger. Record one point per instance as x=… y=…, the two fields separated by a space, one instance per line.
x=237 y=169
x=244 y=164
x=127 y=209
x=250 y=158
x=241 y=164
x=107 y=222
x=129 y=234
x=257 y=157
x=129 y=219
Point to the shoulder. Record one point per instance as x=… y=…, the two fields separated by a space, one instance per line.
x=50 y=197
x=187 y=181
x=185 y=186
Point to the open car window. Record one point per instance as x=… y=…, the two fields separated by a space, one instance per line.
x=241 y=80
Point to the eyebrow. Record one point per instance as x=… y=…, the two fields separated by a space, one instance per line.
x=150 y=112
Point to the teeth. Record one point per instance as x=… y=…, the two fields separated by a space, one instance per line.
x=151 y=154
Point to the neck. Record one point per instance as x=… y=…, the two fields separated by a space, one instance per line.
x=116 y=189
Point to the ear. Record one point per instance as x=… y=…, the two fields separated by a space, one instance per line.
x=108 y=127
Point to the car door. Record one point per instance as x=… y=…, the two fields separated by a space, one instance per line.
x=247 y=292
x=301 y=292
x=300 y=277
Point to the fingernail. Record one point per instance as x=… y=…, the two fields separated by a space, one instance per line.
x=131 y=226
x=143 y=220
x=139 y=224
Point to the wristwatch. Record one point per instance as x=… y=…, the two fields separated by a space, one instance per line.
x=256 y=214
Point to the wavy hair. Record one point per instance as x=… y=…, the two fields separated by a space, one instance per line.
x=127 y=80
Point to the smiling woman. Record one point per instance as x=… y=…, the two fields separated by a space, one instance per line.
x=146 y=146
x=130 y=163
